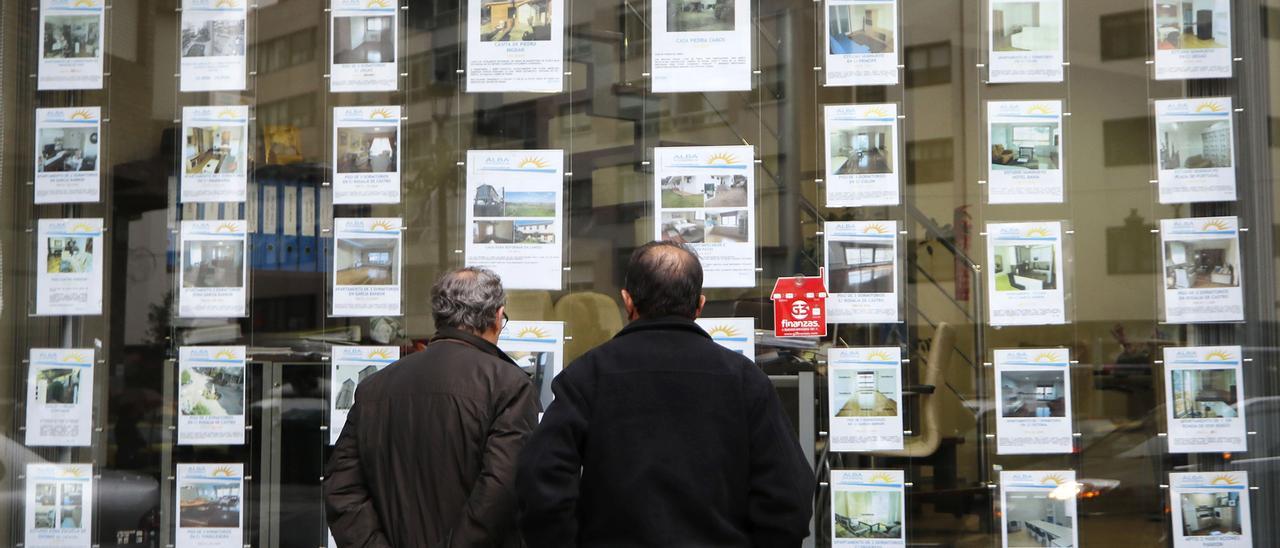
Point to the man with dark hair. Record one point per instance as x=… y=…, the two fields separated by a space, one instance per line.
x=661 y=437
x=427 y=456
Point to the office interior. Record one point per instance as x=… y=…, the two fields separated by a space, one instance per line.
x=1025 y=268
x=367 y=261
x=1210 y=514
x=1202 y=264
x=1193 y=24
x=67 y=149
x=1025 y=394
x=1025 y=26
x=860 y=267
x=862 y=514
x=212 y=149
x=1195 y=145
x=363 y=39
x=1025 y=145
x=860 y=28
x=866 y=393
x=862 y=150
x=367 y=149
x=1037 y=519
x=1204 y=393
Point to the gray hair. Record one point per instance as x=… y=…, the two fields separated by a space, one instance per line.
x=467 y=299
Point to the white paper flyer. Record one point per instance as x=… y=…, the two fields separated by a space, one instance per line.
x=865 y=394
x=60 y=397
x=67 y=162
x=71 y=52
x=1038 y=505
x=862 y=155
x=538 y=348
x=1204 y=395
x=1026 y=152
x=351 y=366
x=211 y=395
x=706 y=198
x=363 y=36
x=214 y=153
x=1025 y=41
x=213 y=45
x=1195 y=145
x=1035 y=401
x=1202 y=270
x=69 y=276
x=701 y=46
x=515 y=216
x=1024 y=273
x=210 y=506
x=515 y=46
x=1210 y=509
x=1192 y=39
x=736 y=334
x=366 y=267
x=59 y=505
x=861 y=263
x=862 y=42
x=868 y=508
x=214 y=269
x=366 y=155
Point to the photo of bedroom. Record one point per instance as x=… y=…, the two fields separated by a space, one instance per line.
x=213 y=263
x=860 y=28
x=1193 y=24
x=1203 y=393
x=1025 y=267
x=727 y=227
x=1025 y=145
x=370 y=149
x=863 y=514
x=860 y=267
x=1025 y=26
x=367 y=261
x=213 y=149
x=1026 y=394
x=67 y=149
x=1195 y=144
x=515 y=20
x=1210 y=514
x=1037 y=519
x=364 y=39
x=689 y=227
x=1201 y=264
x=866 y=393
x=862 y=150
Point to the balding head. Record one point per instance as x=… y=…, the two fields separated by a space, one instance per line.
x=664 y=279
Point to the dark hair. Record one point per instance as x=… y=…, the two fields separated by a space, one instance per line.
x=664 y=279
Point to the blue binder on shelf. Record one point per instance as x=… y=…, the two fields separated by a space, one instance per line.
x=290 y=250
x=268 y=252
x=308 y=217
x=325 y=222
x=249 y=212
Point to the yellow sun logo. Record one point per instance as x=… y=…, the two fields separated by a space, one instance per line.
x=876 y=112
x=383 y=225
x=875 y=229
x=73 y=472
x=881 y=478
x=1039 y=109
x=532 y=333
x=227 y=227
x=1055 y=479
x=379 y=355
x=83 y=3
x=1215 y=226
x=224 y=355
x=1042 y=232
x=377 y=4
x=81 y=115
x=224 y=471
x=1224 y=480
x=226 y=4
x=81 y=227
x=878 y=356
x=380 y=113
x=1209 y=107
x=1219 y=355
x=723 y=331
x=1046 y=357
x=75 y=358
x=228 y=113
x=722 y=158
x=533 y=162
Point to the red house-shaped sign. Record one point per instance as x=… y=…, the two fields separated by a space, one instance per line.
x=799 y=306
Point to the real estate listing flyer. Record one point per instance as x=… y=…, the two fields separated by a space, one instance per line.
x=59 y=505
x=1195 y=143
x=211 y=381
x=366 y=266
x=1035 y=401
x=1202 y=270
x=214 y=154
x=1025 y=41
x=213 y=45
x=210 y=506
x=1038 y=508
x=71 y=48
x=862 y=42
x=868 y=508
x=538 y=348
x=1024 y=273
x=515 y=216
x=214 y=269
x=1210 y=509
x=1026 y=152
x=351 y=365
x=1203 y=396
x=865 y=395
x=69 y=280
x=1192 y=39
x=60 y=397
x=366 y=155
x=862 y=271
x=706 y=198
x=515 y=46
x=862 y=155
x=67 y=145
x=700 y=45
x=736 y=334
x=363 y=38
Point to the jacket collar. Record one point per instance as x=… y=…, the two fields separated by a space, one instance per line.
x=474 y=341
x=665 y=323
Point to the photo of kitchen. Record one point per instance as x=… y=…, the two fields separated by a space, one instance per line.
x=1210 y=514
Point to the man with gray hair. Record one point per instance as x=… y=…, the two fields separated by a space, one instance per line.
x=428 y=453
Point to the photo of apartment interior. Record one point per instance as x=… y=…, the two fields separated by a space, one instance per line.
x=867 y=393
x=688 y=227
x=58 y=386
x=69 y=255
x=727 y=227
x=493 y=232
x=1201 y=264
x=515 y=20
x=1025 y=145
x=1204 y=393
x=1026 y=394
x=860 y=28
x=1036 y=519
x=212 y=149
x=70 y=36
x=1025 y=268
x=367 y=261
x=1193 y=24
x=213 y=263
x=700 y=15
x=867 y=514
x=364 y=39
x=1210 y=514
x=367 y=149
x=67 y=149
x=1195 y=145
x=860 y=267
x=217 y=38
x=862 y=150
x=1025 y=26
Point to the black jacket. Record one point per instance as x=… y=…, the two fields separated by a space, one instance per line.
x=427 y=457
x=679 y=442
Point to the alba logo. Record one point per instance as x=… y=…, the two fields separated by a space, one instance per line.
x=379 y=355
x=383 y=226
x=75 y=358
x=532 y=333
x=384 y=113
x=875 y=229
x=377 y=4
x=81 y=227
x=1224 y=480
x=1039 y=109
x=226 y=4
x=722 y=158
x=1215 y=226
x=533 y=162
x=84 y=4
x=800 y=310
x=228 y=114
x=1218 y=356
x=1053 y=479
x=723 y=331
x=223 y=471
x=227 y=227
x=72 y=472
x=876 y=112
x=224 y=355
x=1038 y=232
x=1209 y=107
x=881 y=478
x=1047 y=357
x=81 y=115
x=878 y=357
